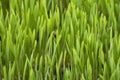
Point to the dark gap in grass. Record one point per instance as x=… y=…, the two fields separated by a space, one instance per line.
x=2 y=56
x=55 y=74
x=3 y=61
x=49 y=8
x=61 y=73
x=54 y=33
x=5 y=6
x=37 y=37
x=106 y=48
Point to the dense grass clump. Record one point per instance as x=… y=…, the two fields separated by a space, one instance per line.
x=59 y=40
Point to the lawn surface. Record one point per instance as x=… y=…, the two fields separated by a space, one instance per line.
x=59 y=40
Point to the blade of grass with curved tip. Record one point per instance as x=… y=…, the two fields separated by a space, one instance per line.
x=58 y=66
x=105 y=72
x=68 y=75
x=76 y=64
x=31 y=75
x=24 y=71
x=49 y=43
x=82 y=77
x=5 y=73
x=89 y=70
x=57 y=18
x=11 y=71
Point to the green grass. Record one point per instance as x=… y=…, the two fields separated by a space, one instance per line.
x=59 y=39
